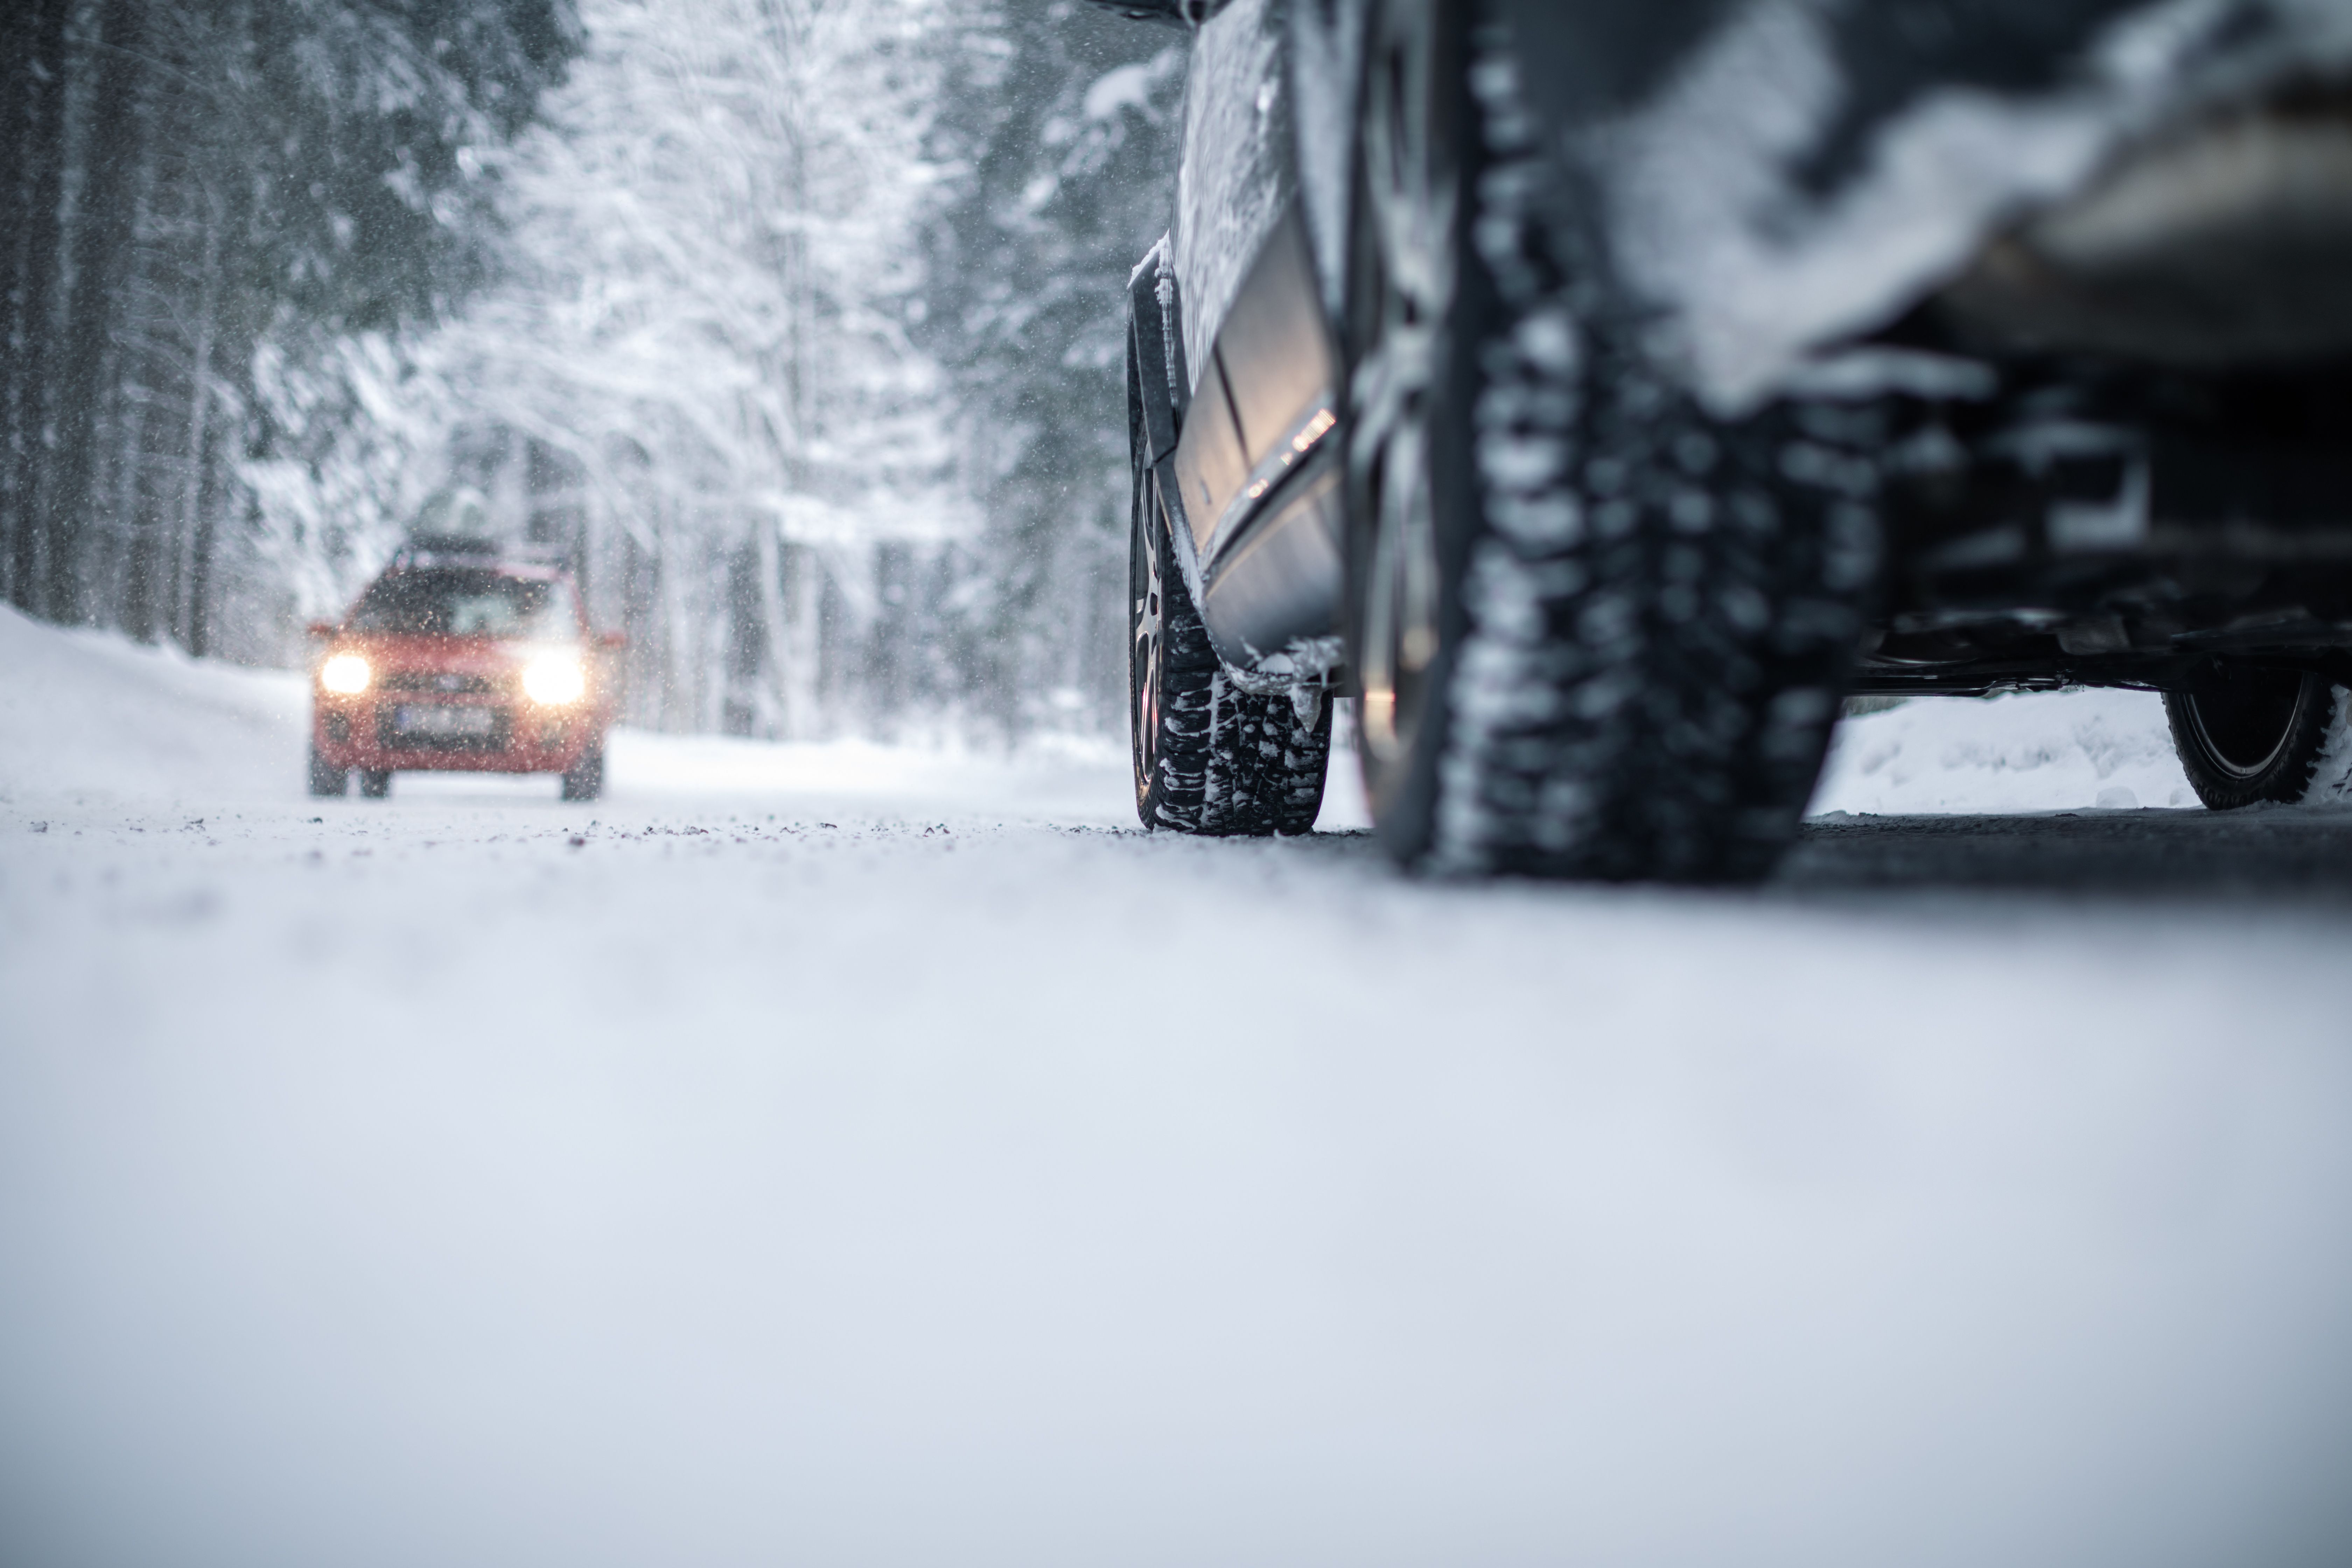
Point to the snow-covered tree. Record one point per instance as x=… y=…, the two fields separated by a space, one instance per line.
x=712 y=256
x=1062 y=125
x=182 y=187
x=815 y=305
x=798 y=321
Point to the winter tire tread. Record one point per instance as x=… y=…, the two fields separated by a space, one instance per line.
x=1648 y=612
x=1210 y=758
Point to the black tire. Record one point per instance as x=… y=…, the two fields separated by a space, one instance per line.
x=375 y=783
x=1596 y=632
x=584 y=780
x=1210 y=758
x=2250 y=734
x=327 y=781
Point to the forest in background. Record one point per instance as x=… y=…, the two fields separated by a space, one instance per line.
x=795 y=323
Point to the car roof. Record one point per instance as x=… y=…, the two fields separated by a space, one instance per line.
x=524 y=569
x=539 y=565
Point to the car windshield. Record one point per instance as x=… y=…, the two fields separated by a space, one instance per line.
x=466 y=601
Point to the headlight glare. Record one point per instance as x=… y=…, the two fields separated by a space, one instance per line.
x=553 y=679
x=346 y=673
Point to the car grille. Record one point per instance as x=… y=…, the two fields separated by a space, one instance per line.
x=393 y=739
x=425 y=680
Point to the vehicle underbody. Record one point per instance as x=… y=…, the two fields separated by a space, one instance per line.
x=2117 y=528
x=2154 y=479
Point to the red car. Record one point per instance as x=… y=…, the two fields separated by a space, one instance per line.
x=462 y=661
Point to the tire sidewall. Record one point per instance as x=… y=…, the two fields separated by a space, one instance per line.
x=2286 y=778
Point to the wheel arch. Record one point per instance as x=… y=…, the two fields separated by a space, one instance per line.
x=1157 y=383
x=1159 y=395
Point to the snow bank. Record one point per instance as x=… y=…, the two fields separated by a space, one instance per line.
x=2061 y=750
x=87 y=713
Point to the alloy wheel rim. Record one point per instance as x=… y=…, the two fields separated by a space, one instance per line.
x=1411 y=202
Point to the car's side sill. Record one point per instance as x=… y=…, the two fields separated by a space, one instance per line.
x=1276 y=584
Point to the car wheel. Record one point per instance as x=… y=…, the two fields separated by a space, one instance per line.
x=375 y=783
x=327 y=781
x=2253 y=734
x=1596 y=631
x=584 y=780
x=1210 y=758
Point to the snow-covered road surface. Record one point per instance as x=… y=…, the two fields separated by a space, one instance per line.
x=821 y=1156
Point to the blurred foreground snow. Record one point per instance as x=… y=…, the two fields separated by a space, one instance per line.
x=834 y=1156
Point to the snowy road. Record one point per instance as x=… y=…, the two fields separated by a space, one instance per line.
x=838 y=1156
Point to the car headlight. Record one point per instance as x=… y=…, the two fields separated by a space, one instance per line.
x=553 y=679
x=347 y=673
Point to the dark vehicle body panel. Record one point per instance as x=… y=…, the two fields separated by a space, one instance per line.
x=1259 y=492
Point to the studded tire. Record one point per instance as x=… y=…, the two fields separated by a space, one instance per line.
x=1597 y=631
x=1210 y=758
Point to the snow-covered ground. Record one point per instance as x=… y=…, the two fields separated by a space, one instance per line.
x=838 y=1155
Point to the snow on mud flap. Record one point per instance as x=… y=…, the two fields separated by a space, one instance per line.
x=1600 y=632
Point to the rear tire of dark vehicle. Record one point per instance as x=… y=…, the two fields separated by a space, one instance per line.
x=584 y=780
x=327 y=781
x=1597 y=631
x=1210 y=758
x=375 y=783
x=2253 y=734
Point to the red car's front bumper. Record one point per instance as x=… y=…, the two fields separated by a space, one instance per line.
x=367 y=731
